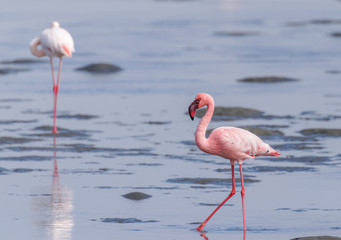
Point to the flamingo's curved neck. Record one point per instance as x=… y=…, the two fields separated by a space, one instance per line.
x=34 y=48
x=200 y=134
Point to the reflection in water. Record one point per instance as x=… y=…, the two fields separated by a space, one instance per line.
x=206 y=238
x=53 y=212
x=229 y=5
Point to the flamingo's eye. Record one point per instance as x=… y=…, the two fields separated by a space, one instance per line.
x=199 y=99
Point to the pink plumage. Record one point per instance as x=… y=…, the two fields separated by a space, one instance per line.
x=237 y=144
x=232 y=143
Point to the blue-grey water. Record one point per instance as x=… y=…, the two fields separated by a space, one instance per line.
x=129 y=131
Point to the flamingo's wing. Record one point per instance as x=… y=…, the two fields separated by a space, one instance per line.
x=239 y=144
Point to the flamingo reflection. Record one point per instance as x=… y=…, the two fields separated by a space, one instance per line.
x=230 y=5
x=54 y=214
x=203 y=234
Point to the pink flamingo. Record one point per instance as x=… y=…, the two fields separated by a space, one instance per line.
x=232 y=143
x=55 y=42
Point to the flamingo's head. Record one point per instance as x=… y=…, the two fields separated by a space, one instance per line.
x=55 y=24
x=201 y=100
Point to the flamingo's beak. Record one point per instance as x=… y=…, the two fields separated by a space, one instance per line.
x=192 y=108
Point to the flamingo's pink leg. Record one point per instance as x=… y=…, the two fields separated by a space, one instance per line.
x=201 y=227
x=55 y=94
x=54 y=97
x=52 y=71
x=243 y=194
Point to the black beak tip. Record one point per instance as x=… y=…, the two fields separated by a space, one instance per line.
x=192 y=108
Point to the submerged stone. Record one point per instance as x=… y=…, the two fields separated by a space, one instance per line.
x=77 y=116
x=22 y=61
x=333 y=71
x=317 y=238
x=27 y=158
x=236 y=33
x=3 y=170
x=22 y=170
x=4 y=71
x=325 y=21
x=280 y=169
x=267 y=79
x=16 y=121
x=310 y=160
x=136 y=196
x=100 y=68
x=158 y=122
x=15 y=140
x=336 y=34
x=125 y=220
x=324 y=132
x=264 y=131
x=62 y=132
x=210 y=181
x=299 y=146
x=232 y=112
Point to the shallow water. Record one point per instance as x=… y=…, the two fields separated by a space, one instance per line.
x=129 y=131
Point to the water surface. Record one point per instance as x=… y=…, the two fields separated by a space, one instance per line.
x=129 y=132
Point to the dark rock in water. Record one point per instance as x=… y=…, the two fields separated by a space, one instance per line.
x=333 y=71
x=27 y=158
x=77 y=116
x=136 y=196
x=210 y=181
x=188 y=143
x=15 y=140
x=125 y=220
x=22 y=170
x=104 y=187
x=7 y=100
x=323 y=132
x=235 y=34
x=336 y=34
x=325 y=21
x=310 y=160
x=158 y=122
x=234 y=112
x=44 y=128
x=23 y=61
x=264 y=131
x=280 y=169
x=298 y=146
x=4 y=71
x=100 y=68
x=312 y=115
x=62 y=132
x=295 y=24
x=317 y=238
x=314 y=22
x=267 y=79
x=17 y=121
x=3 y=171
